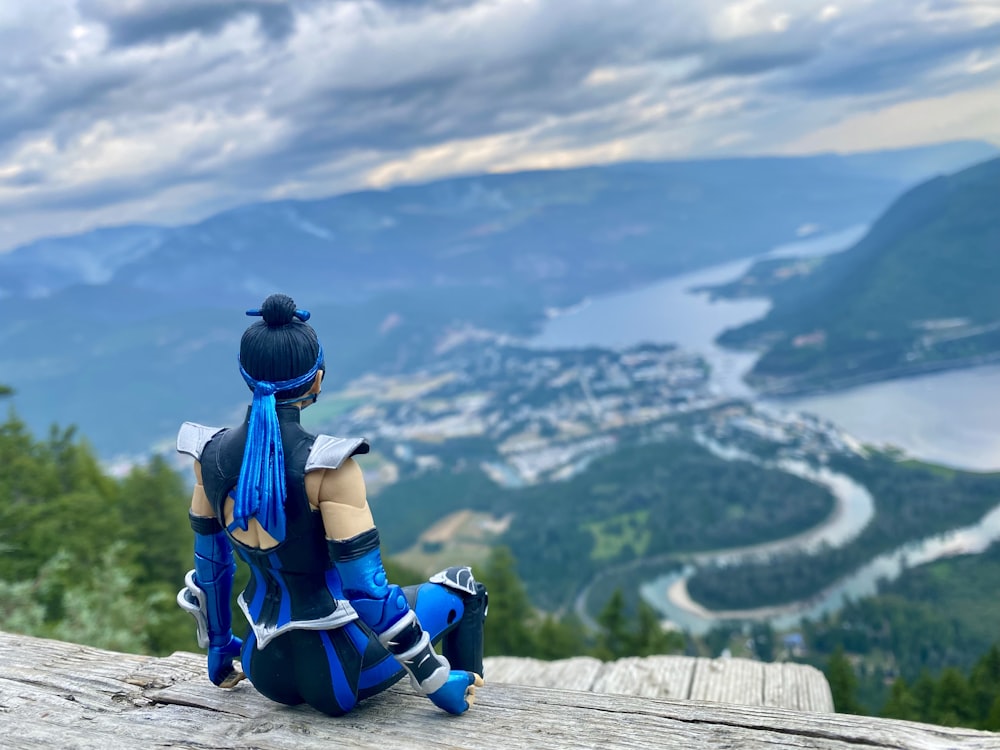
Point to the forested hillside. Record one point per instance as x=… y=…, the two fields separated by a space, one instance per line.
x=662 y=498
x=88 y=558
x=912 y=501
x=917 y=293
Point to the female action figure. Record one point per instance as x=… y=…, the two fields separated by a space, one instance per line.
x=326 y=627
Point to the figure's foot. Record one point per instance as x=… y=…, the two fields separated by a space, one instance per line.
x=221 y=659
x=234 y=678
x=458 y=694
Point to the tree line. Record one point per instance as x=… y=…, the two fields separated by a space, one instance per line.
x=954 y=698
x=912 y=501
x=89 y=558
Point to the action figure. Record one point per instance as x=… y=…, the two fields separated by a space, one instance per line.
x=326 y=627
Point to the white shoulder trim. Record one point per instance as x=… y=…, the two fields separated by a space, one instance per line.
x=331 y=452
x=192 y=438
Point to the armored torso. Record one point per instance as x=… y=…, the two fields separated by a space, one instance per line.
x=293 y=585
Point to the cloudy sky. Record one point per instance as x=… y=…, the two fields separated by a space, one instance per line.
x=113 y=111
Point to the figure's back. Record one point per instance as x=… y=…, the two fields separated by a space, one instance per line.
x=292 y=583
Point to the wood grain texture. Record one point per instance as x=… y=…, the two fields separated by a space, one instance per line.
x=56 y=695
x=738 y=681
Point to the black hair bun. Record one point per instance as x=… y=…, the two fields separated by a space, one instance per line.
x=278 y=310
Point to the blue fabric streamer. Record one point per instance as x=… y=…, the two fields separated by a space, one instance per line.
x=261 y=491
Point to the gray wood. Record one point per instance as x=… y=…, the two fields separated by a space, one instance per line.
x=59 y=695
x=729 y=681
x=578 y=673
x=649 y=677
x=738 y=681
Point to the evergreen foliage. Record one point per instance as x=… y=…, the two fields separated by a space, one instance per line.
x=508 y=626
x=912 y=501
x=87 y=558
x=902 y=704
x=689 y=500
x=876 y=306
x=843 y=683
x=515 y=628
x=613 y=642
x=954 y=698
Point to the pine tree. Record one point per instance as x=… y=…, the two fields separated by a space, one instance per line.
x=763 y=641
x=992 y=722
x=923 y=695
x=153 y=504
x=951 y=704
x=556 y=638
x=985 y=683
x=843 y=683
x=507 y=630
x=614 y=640
x=649 y=638
x=901 y=703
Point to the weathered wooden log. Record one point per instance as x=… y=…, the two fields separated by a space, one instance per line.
x=60 y=695
x=739 y=681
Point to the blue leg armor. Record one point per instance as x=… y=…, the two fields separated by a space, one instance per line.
x=206 y=596
x=383 y=607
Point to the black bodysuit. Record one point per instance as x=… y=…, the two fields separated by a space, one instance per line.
x=306 y=643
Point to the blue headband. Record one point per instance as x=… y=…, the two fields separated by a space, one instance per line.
x=260 y=491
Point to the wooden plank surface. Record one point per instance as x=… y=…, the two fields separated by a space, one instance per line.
x=58 y=695
x=578 y=673
x=649 y=677
x=738 y=681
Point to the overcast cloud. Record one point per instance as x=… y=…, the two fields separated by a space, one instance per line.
x=113 y=111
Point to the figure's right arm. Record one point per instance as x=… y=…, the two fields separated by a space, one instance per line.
x=354 y=547
x=208 y=588
x=200 y=505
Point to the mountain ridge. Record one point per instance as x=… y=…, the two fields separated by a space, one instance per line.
x=495 y=203
x=388 y=273
x=916 y=294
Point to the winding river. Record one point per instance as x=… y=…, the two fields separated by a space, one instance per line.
x=668 y=594
x=948 y=418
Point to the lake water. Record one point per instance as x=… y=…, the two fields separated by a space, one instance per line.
x=951 y=417
x=665 y=312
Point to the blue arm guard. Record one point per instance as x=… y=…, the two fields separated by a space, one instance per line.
x=383 y=608
x=206 y=596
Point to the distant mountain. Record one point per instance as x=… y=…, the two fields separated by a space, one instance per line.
x=536 y=227
x=921 y=291
x=127 y=331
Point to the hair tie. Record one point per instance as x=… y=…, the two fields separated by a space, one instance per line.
x=264 y=388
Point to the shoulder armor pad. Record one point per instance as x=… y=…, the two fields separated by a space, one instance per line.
x=192 y=438
x=330 y=452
